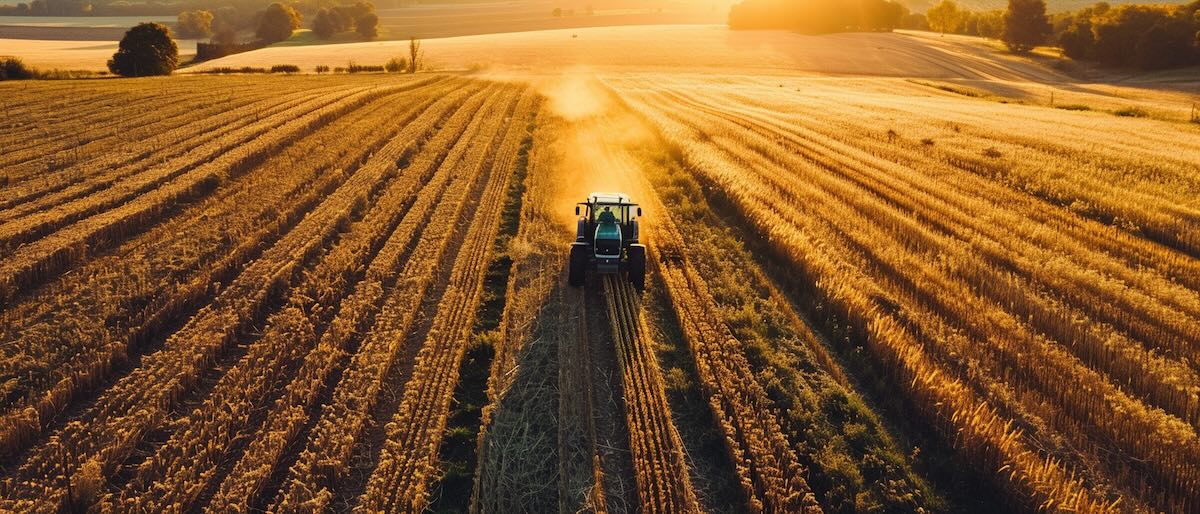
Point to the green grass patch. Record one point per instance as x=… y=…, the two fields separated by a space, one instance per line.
x=1131 y=112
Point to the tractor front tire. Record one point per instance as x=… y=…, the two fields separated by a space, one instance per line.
x=578 y=270
x=637 y=266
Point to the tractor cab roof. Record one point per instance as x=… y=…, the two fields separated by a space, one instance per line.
x=609 y=199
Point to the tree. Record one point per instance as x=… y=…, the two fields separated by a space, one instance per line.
x=914 y=21
x=343 y=17
x=990 y=24
x=277 y=23
x=194 y=24
x=414 y=54
x=1118 y=32
x=147 y=49
x=227 y=19
x=396 y=65
x=1077 y=41
x=1025 y=25
x=944 y=17
x=368 y=26
x=324 y=25
x=1167 y=44
x=877 y=15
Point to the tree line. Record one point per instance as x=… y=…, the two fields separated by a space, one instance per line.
x=150 y=48
x=1148 y=37
x=1141 y=36
x=1022 y=26
x=277 y=22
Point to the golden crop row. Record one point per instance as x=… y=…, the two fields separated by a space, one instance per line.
x=34 y=225
x=116 y=134
x=769 y=472
x=103 y=117
x=1090 y=299
x=1176 y=445
x=324 y=461
x=114 y=304
x=33 y=263
x=140 y=401
x=662 y=475
x=243 y=486
x=400 y=481
x=885 y=223
x=173 y=477
x=137 y=153
x=1135 y=174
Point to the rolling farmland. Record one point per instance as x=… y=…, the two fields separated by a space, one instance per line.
x=348 y=293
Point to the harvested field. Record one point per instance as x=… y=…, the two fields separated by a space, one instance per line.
x=929 y=290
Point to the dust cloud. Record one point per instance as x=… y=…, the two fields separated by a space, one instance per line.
x=594 y=144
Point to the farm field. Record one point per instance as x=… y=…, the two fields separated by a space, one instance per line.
x=929 y=289
x=446 y=20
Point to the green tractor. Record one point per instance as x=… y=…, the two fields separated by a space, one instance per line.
x=606 y=239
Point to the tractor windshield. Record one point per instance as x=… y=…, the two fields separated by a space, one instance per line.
x=611 y=213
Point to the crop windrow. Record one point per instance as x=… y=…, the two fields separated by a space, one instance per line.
x=292 y=414
x=316 y=473
x=138 y=402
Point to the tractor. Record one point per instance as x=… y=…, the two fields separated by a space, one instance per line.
x=606 y=239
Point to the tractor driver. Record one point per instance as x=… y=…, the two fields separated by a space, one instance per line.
x=607 y=216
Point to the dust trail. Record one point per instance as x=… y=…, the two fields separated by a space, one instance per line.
x=595 y=146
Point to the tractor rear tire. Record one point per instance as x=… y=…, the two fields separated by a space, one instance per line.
x=637 y=266
x=578 y=271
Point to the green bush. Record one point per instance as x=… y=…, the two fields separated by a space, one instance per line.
x=396 y=65
x=360 y=68
x=321 y=68
x=244 y=69
x=285 y=68
x=12 y=68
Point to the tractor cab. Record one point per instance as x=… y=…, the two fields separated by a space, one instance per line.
x=606 y=239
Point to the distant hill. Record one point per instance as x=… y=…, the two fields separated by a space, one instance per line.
x=1052 y=6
